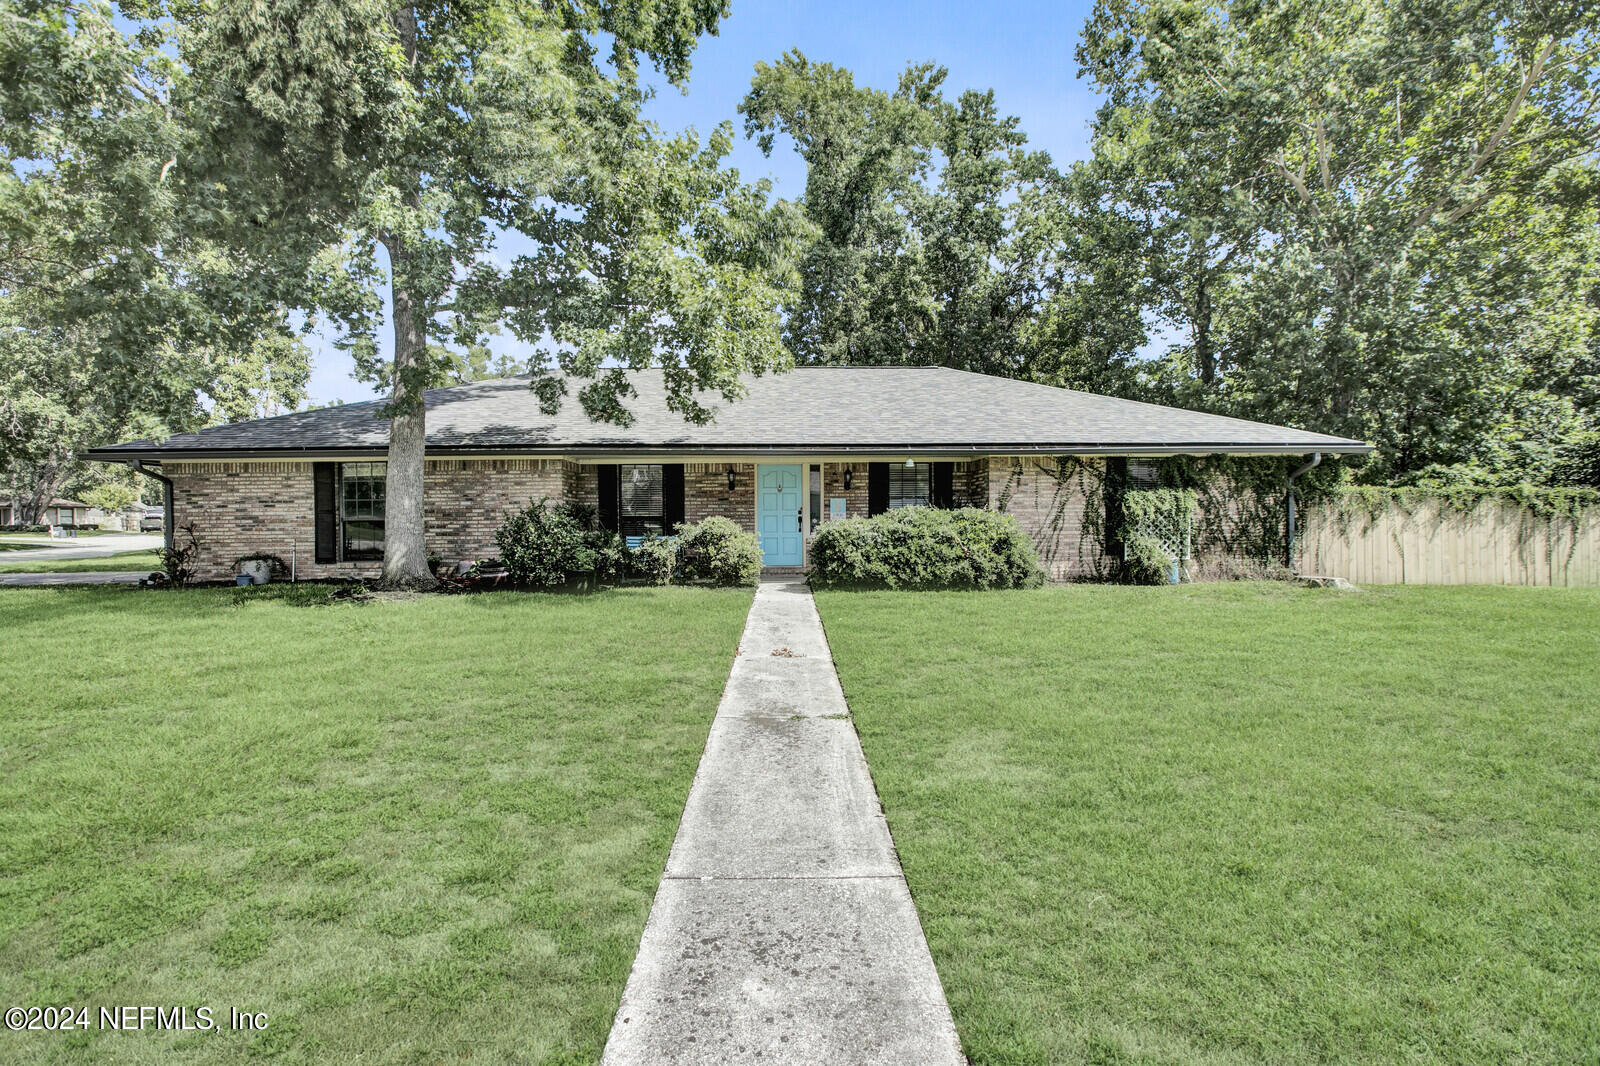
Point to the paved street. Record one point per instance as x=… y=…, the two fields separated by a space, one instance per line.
x=78 y=547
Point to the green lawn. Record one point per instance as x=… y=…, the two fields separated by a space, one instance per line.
x=134 y=560
x=408 y=831
x=1244 y=824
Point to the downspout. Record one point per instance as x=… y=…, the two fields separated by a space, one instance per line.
x=166 y=500
x=1288 y=550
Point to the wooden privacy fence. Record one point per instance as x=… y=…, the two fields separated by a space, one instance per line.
x=1437 y=541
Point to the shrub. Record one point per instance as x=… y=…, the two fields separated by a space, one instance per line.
x=610 y=555
x=718 y=552
x=177 y=562
x=654 y=560
x=925 y=548
x=547 y=546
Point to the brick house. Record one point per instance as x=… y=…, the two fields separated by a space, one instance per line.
x=801 y=448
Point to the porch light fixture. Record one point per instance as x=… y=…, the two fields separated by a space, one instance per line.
x=849 y=476
x=910 y=463
x=730 y=477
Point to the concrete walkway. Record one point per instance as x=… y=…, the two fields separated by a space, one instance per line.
x=783 y=931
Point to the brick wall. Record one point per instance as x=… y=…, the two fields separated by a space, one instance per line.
x=855 y=497
x=243 y=507
x=1050 y=508
x=706 y=493
x=239 y=508
x=465 y=500
x=971 y=483
x=580 y=483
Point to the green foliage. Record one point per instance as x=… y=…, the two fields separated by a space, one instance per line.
x=333 y=128
x=654 y=560
x=111 y=496
x=177 y=561
x=1157 y=532
x=546 y=546
x=939 y=238
x=717 y=552
x=1570 y=505
x=1374 y=219
x=117 y=316
x=925 y=548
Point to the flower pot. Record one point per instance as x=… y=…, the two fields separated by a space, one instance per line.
x=242 y=580
x=259 y=571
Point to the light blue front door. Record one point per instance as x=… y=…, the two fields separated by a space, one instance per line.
x=778 y=515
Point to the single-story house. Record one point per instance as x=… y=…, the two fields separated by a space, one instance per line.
x=801 y=448
x=59 y=512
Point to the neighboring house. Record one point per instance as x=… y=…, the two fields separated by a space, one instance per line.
x=58 y=512
x=799 y=449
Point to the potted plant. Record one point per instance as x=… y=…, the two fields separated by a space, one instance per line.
x=259 y=566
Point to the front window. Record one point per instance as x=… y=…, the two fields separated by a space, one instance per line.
x=641 y=509
x=908 y=485
x=361 y=509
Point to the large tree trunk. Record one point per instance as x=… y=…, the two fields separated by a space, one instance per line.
x=44 y=484
x=405 y=559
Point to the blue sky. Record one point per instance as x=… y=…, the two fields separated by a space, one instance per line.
x=1022 y=51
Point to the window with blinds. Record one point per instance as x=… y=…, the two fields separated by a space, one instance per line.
x=640 y=499
x=908 y=485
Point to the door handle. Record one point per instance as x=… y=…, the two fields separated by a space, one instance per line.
x=799 y=520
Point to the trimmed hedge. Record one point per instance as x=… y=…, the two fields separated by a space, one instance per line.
x=717 y=552
x=925 y=548
x=547 y=546
x=653 y=561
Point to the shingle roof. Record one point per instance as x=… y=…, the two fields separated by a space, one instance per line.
x=809 y=410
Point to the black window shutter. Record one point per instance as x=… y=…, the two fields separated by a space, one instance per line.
x=671 y=496
x=877 y=488
x=325 y=510
x=943 y=487
x=1116 y=485
x=609 y=494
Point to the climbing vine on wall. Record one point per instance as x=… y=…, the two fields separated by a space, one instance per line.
x=1542 y=516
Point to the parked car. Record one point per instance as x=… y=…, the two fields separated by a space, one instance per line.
x=152 y=520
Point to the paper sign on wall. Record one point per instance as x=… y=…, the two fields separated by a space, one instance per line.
x=835 y=508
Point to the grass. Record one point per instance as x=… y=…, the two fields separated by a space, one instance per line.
x=1244 y=824
x=408 y=831
x=134 y=560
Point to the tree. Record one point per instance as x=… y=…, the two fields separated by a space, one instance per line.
x=1372 y=219
x=937 y=230
x=107 y=318
x=331 y=129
